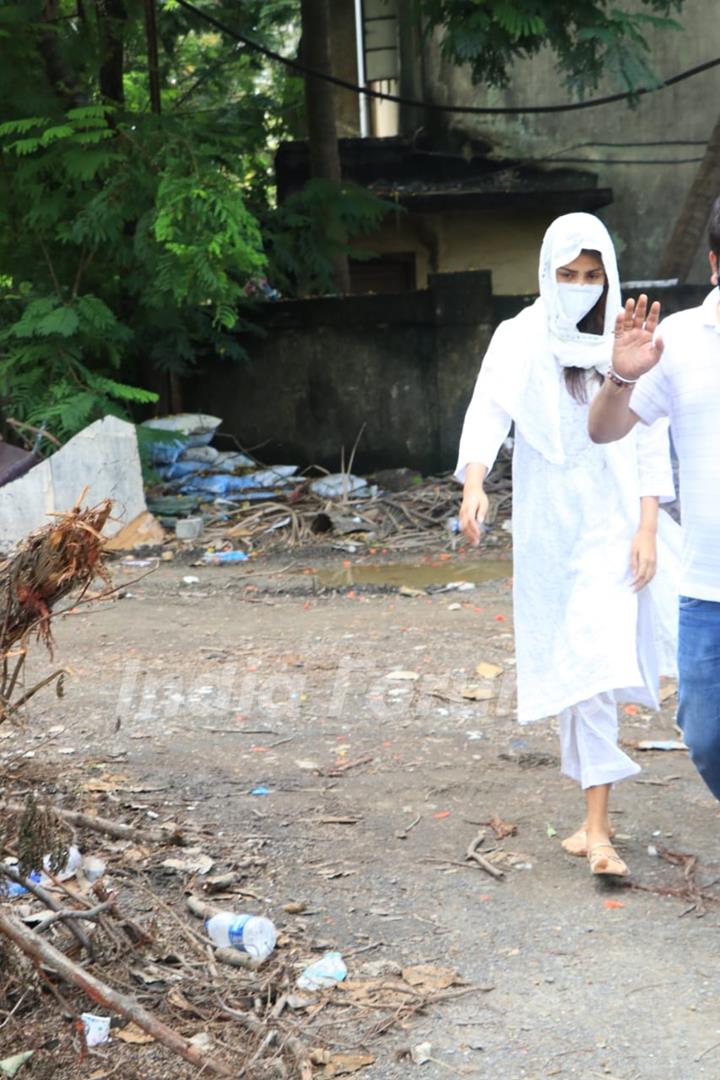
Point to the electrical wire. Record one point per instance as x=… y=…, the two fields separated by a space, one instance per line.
x=467 y=110
x=622 y=161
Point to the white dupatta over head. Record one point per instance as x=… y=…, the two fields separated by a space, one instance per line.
x=520 y=370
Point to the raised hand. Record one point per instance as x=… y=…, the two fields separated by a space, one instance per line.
x=634 y=351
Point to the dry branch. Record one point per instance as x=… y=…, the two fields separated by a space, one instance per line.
x=42 y=952
x=50 y=564
x=104 y=825
x=48 y=900
x=473 y=854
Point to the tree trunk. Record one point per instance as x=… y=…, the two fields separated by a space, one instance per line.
x=320 y=109
x=111 y=15
x=60 y=76
x=687 y=235
x=151 y=36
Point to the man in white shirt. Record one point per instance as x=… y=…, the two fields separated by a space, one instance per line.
x=676 y=373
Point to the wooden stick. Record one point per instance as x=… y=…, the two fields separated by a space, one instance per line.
x=103 y=825
x=75 y=913
x=49 y=901
x=482 y=862
x=42 y=952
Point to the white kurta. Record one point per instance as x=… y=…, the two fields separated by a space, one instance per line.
x=580 y=630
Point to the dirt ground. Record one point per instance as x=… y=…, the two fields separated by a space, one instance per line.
x=346 y=706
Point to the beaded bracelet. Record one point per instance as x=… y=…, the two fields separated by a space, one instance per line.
x=618 y=380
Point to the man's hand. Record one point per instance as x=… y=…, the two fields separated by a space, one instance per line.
x=643 y=558
x=472 y=513
x=635 y=352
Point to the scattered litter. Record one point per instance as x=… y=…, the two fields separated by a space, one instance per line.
x=217 y=558
x=189 y=429
x=402 y=676
x=10 y=1066
x=613 y=905
x=189 y=528
x=339 y=484
x=190 y=579
x=421 y=1053
x=261 y=790
x=551 y=831
x=97 y=1028
x=251 y=934
x=460 y=586
x=326 y=972
x=92 y=868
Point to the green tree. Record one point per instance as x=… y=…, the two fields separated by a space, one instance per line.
x=589 y=37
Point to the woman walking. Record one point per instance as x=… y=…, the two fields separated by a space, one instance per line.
x=594 y=625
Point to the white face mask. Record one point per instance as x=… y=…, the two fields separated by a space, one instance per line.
x=577 y=300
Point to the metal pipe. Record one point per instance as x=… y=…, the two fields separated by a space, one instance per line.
x=363 y=102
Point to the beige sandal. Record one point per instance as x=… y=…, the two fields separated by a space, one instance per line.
x=604 y=860
x=577 y=843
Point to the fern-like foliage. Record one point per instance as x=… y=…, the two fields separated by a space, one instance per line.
x=589 y=37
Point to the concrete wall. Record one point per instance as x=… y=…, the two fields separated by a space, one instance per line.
x=404 y=366
x=401 y=365
x=647 y=196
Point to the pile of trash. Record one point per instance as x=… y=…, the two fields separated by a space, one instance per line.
x=226 y=496
x=192 y=974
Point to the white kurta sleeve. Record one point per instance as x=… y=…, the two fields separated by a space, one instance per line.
x=486 y=426
x=655 y=473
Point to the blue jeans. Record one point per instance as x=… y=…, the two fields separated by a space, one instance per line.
x=699 y=685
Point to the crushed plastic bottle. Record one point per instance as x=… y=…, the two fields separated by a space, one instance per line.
x=252 y=934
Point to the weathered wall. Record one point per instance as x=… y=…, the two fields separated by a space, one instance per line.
x=647 y=197
x=505 y=241
x=404 y=366
x=400 y=365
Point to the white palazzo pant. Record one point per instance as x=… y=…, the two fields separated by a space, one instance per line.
x=589 y=750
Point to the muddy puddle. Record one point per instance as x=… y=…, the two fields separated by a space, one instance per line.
x=414 y=575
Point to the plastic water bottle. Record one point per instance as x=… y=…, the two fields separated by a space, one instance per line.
x=251 y=934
